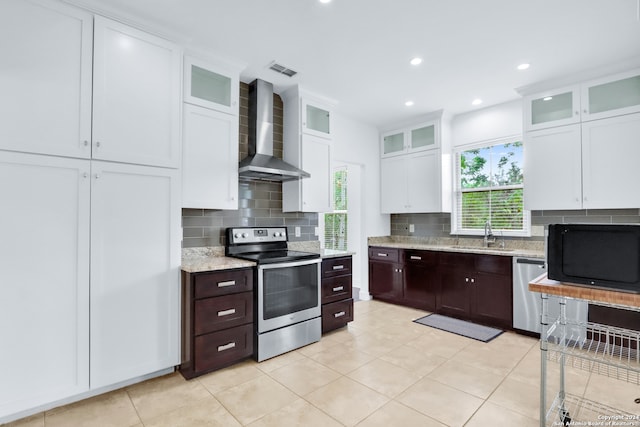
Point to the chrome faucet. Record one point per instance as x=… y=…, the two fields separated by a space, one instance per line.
x=489 y=238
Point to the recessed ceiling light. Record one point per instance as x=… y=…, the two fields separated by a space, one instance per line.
x=476 y=101
x=408 y=103
x=416 y=61
x=523 y=66
x=325 y=1
x=547 y=98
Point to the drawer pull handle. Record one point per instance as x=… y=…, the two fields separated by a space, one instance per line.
x=227 y=283
x=339 y=314
x=416 y=257
x=338 y=267
x=226 y=346
x=383 y=254
x=226 y=312
x=338 y=288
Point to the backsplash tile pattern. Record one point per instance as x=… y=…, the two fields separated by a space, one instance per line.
x=439 y=224
x=259 y=203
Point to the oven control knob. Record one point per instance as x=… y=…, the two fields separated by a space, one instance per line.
x=245 y=235
x=237 y=235
x=276 y=234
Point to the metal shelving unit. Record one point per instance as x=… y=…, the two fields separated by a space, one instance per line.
x=598 y=349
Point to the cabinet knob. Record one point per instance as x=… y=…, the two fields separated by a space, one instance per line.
x=85 y=175
x=97 y=176
x=98 y=144
x=586 y=112
x=473 y=280
x=577 y=113
x=466 y=279
x=85 y=143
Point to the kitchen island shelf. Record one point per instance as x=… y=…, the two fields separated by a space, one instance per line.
x=601 y=349
x=581 y=411
x=596 y=348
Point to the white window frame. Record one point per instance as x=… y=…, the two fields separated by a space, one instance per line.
x=321 y=217
x=456 y=228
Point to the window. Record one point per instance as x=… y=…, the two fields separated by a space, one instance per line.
x=488 y=187
x=335 y=223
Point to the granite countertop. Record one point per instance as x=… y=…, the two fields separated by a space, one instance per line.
x=211 y=258
x=333 y=253
x=196 y=260
x=513 y=248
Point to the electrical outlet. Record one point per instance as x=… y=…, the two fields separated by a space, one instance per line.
x=297 y=231
x=412 y=228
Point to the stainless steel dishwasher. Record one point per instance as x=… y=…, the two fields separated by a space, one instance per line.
x=526 y=304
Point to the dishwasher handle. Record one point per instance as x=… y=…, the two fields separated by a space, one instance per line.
x=539 y=262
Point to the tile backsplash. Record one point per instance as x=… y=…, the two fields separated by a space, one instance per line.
x=259 y=203
x=439 y=224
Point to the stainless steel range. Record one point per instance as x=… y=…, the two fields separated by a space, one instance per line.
x=287 y=305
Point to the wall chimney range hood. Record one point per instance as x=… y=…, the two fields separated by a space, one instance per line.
x=261 y=164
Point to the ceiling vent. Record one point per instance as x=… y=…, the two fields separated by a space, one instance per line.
x=282 y=69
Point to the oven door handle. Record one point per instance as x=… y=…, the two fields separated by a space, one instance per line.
x=290 y=264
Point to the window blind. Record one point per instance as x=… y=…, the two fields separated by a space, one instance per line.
x=335 y=223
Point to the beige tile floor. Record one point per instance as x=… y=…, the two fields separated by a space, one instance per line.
x=381 y=370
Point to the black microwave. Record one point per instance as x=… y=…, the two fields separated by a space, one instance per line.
x=599 y=255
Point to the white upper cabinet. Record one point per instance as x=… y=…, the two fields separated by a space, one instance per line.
x=44 y=280
x=424 y=136
x=211 y=86
x=136 y=111
x=611 y=96
x=552 y=108
x=589 y=164
x=209 y=159
x=416 y=167
x=46 y=78
x=307 y=145
x=316 y=117
x=592 y=100
x=610 y=153
x=553 y=169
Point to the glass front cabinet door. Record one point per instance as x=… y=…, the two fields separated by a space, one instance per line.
x=611 y=96
x=418 y=138
x=316 y=119
x=210 y=86
x=393 y=143
x=423 y=137
x=553 y=108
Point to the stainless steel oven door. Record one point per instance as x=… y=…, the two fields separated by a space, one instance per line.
x=288 y=293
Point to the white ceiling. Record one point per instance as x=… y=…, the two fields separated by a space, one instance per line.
x=357 y=51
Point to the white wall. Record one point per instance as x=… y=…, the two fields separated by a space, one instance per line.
x=487 y=124
x=356 y=144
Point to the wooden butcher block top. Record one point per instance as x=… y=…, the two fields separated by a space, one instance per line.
x=545 y=285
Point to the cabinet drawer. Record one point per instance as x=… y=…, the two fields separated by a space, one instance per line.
x=223 y=283
x=456 y=259
x=336 y=289
x=496 y=264
x=426 y=258
x=337 y=314
x=223 y=348
x=214 y=314
x=383 y=254
x=336 y=266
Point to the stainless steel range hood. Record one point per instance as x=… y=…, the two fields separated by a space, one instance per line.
x=261 y=164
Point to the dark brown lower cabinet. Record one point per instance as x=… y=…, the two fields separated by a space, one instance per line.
x=336 y=293
x=406 y=277
x=467 y=286
x=476 y=287
x=217 y=320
